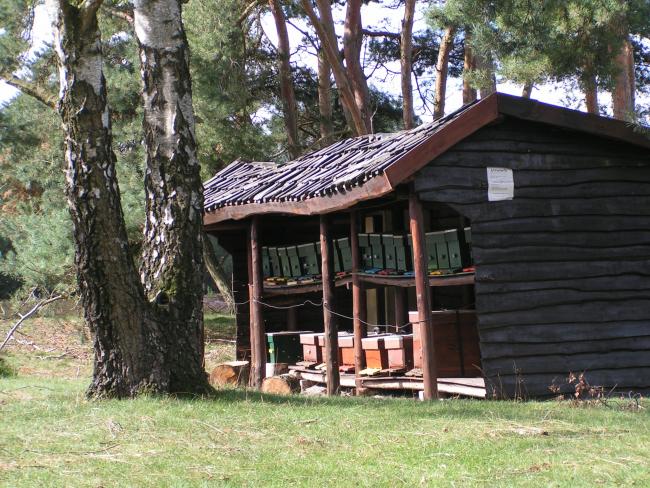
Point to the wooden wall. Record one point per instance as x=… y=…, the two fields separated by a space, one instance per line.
x=563 y=269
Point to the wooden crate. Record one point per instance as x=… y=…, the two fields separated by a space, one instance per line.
x=375 y=352
x=309 y=261
x=346 y=348
x=321 y=344
x=456 y=342
x=310 y=348
x=400 y=351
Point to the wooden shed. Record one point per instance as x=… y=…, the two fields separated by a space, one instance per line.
x=558 y=202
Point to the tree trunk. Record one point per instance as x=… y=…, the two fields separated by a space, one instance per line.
x=286 y=82
x=172 y=261
x=591 y=94
x=624 y=83
x=527 y=90
x=217 y=274
x=324 y=27
x=442 y=68
x=352 y=42
x=469 y=64
x=485 y=65
x=325 y=99
x=128 y=345
x=406 y=63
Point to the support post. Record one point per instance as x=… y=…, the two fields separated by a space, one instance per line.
x=359 y=314
x=331 y=329
x=292 y=319
x=422 y=292
x=400 y=305
x=258 y=336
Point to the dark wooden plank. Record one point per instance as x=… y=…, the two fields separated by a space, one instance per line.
x=617 y=282
x=510 y=350
x=565 y=331
x=422 y=292
x=561 y=223
x=330 y=321
x=596 y=311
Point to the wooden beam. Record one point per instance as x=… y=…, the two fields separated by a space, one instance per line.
x=359 y=311
x=258 y=336
x=292 y=318
x=331 y=329
x=422 y=293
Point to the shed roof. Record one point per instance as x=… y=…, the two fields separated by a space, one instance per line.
x=370 y=166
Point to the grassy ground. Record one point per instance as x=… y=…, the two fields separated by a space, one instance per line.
x=50 y=435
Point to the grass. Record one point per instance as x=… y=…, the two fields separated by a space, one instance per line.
x=52 y=436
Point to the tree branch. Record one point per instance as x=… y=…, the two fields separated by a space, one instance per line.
x=369 y=33
x=34 y=90
x=126 y=15
x=247 y=11
x=36 y=308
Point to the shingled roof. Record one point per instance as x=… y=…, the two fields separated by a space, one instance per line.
x=365 y=167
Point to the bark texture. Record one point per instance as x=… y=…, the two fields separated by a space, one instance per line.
x=469 y=64
x=173 y=235
x=591 y=94
x=325 y=100
x=406 y=64
x=352 y=42
x=624 y=83
x=442 y=68
x=127 y=343
x=324 y=27
x=527 y=90
x=484 y=63
x=287 y=93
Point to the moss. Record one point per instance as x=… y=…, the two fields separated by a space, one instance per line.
x=5 y=370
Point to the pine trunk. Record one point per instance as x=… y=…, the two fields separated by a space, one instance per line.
x=172 y=262
x=286 y=82
x=469 y=64
x=352 y=42
x=442 y=68
x=325 y=100
x=624 y=83
x=591 y=94
x=485 y=65
x=128 y=345
x=406 y=63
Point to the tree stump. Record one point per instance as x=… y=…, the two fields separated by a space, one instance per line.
x=233 y=373
x=285 y=384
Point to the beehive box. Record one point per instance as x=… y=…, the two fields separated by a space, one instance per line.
x=294 y=262
x=375 y=352
x=366 y=251
x=276 y=266
x=266 y=262
x=345 y=251
x=390 y=260
x=285 y=264
x=402 y=254
x=377 y=251
x=284 y=347
x=308 y=257
x=400 y=351
x=456 y=343
x=346 y=346
x=437 y=251
x=321 y=344
x=310 y=349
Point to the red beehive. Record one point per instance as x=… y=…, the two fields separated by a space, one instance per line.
x=310 y=349
x=400 y=351
x=375 y=351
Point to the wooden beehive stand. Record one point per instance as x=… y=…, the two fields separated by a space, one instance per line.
x=354 y=360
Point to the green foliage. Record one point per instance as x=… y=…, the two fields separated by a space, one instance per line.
x=5 y=370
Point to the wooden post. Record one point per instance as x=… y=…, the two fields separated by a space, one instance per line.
x=400 y=305
x=258 y=336
x=331 y=329
x=422 y=292
x=359 y=314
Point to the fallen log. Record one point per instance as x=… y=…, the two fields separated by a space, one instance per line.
x=233 y=373
x=285 y=384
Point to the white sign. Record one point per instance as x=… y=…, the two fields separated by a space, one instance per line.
x=501 y=185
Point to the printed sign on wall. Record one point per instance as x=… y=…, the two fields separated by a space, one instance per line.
x=501 y=185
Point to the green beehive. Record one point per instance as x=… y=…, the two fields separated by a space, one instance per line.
x=377 y=251
x=284 y=262
x=402 y=256
x=458 y=258
x=437 y=251
x=390 y=259
x=294 y=262
x=284 y=347
x=276 y=266
x=266 y=262
x=308 y=259
x=346 y=253
x=366 y=251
